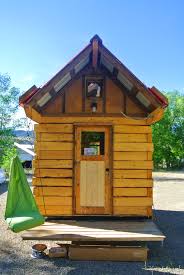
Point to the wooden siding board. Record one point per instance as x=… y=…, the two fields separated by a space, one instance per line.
x=131 y=164
x=53 y=128
x=131 y=138
x=53 y=191
x=65 y=173
x=52 y=163
x=54 y=154
x=130 y=192
x=135 y=147
x=94 y=118
x=55 y=210
x=132 y=182
x=132 y=201
x=53 y=200
x=129 y=129
x=130 y=211
x=52 y=182
x=131 y=156
x=54 y=137
x=129 y=174
x=67 y=146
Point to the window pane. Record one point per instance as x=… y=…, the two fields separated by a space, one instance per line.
x=92 y=143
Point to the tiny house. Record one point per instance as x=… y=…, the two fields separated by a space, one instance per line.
x=93 y=149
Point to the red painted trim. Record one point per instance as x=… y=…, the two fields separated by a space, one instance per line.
x=21 y=103
x=162 y=101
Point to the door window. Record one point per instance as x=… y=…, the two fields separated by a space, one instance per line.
x=92 y=143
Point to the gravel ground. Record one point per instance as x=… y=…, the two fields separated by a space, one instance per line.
x=168 y=214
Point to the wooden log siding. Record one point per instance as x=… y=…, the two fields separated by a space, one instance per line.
x=132 y=170
x=53 y=169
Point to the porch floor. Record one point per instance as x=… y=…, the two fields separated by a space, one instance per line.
x=102 y=231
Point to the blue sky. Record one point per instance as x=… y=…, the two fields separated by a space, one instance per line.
x=39 y=37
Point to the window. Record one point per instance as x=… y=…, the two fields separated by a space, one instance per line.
x=92 y=143
x=94 y=87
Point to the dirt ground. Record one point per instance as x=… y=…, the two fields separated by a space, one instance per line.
x=169 y=259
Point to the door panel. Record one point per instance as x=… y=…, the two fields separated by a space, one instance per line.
x=92 y=183
x=92 y=170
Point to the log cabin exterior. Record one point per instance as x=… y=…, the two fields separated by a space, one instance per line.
x=93 y=138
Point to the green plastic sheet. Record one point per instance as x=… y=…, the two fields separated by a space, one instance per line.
x=21 y=212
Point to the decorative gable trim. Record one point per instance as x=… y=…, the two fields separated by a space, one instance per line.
x=106 y=64
x=82 y=64
x=44 y=99
x=62 y=82
x=124 y=81
x=98 y=55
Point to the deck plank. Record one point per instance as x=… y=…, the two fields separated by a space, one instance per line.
x=72 y=230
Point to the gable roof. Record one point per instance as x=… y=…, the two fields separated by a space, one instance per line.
x=96 y=54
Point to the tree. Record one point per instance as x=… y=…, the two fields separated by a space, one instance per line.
x=8 y=106
x=168 y=134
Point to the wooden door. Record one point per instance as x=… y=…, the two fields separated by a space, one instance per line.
x=92 y=170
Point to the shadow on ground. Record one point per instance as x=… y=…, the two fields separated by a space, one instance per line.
x=3 y=187
x=162 y=260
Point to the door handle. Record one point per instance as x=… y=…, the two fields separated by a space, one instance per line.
x=107 y=169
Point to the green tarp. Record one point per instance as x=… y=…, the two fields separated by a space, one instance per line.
x=21 y=210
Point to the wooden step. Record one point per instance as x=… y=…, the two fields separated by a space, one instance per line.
x=105 y=253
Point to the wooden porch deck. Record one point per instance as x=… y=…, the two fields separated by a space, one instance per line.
x=96 y=231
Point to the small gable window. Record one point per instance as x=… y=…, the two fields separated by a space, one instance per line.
x=94 y=87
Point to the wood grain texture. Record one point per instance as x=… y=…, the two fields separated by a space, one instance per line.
x=118 y=120
x=131 y=156
x=130 y=192
x=135 y=147
x=105 y=253
x=53 y=128
x=131 y=138
x=92 y=184
x=73 y=97
x=114 y=98
x=129 y=174
x=132 y=182
x=50 y=146
x=53 y=137
x=130 y=211
x=133 y=164
x=55 y=210
x=52 y=163
x=54 y=154
x=54 y=201
x=107 y=208
x=98 y=231
x=132 y=201
x=132 y=129
x=53 y=173
x=55 y=105
x=52 y=182
x=53 y=191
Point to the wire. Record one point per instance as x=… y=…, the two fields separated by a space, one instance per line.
x=136 y=118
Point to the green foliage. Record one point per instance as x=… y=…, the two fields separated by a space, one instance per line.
x=9 y=153
x=8 y=106
x=168 y=134
x=8 y=102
